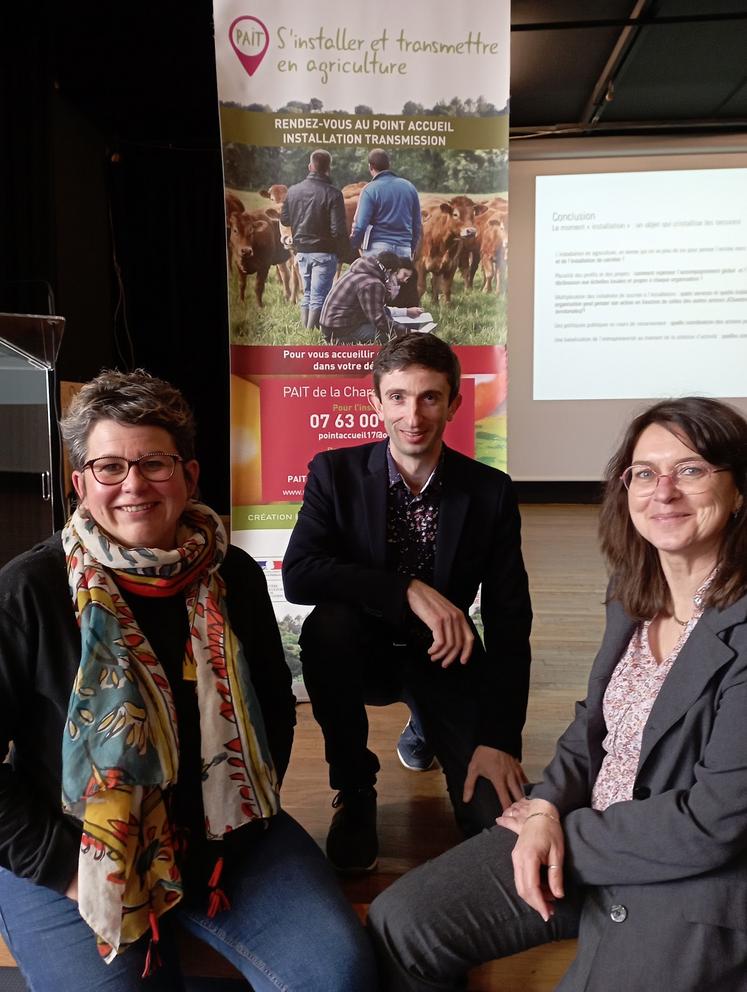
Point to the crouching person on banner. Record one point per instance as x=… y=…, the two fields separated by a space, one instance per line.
x=142 y=679
x=392 y=542
x=636 y=837
x=356 y=310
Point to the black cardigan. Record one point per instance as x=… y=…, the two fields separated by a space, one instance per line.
x=39 y=658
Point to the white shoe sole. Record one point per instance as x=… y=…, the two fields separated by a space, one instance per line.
x=414 y=768
x=356 y=871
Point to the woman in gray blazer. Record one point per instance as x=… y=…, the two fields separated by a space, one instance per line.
x=636 y=837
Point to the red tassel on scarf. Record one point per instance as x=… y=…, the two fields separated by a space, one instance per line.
x=152 y=958
x=218 y=900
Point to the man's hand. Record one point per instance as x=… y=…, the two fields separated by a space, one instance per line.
x=414 y=311
x=452 y=635
x=501 y=769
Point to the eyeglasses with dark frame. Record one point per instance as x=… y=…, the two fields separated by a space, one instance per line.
x=689 y=477
x=155 y=466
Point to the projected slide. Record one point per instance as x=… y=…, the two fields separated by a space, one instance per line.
x=640 y=285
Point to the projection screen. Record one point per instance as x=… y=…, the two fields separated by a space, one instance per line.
x=628 y=263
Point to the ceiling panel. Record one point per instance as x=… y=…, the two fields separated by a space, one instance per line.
x=682 y=64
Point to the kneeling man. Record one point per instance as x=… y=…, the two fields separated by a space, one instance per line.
x=392 y=542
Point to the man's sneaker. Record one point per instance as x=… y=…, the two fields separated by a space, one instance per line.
x=352 y=843
x=413 y=751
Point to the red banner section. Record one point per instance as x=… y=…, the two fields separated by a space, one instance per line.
x=329 y=412
x=350 y=360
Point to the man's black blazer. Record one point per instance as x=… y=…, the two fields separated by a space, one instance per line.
x=337 y=553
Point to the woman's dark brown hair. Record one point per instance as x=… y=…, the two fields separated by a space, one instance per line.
x=718 y=434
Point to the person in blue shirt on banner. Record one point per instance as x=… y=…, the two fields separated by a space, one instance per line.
x=388 y=217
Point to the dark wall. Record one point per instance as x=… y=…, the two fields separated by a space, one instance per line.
x=111 y=192
x=81 y=270
x=26 y=201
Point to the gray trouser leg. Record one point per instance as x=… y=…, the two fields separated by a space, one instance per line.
x=456 y=912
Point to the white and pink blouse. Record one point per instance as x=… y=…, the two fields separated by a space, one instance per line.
x=628 y=699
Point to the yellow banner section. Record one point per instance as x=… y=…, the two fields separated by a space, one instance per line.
x=319 y=129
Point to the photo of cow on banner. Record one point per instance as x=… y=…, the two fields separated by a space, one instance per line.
x=366 y=191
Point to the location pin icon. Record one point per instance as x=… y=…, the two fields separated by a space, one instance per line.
x=249 y=39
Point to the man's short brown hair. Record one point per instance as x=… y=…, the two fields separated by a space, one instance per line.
x=321 y=161
x=378 y=159
x=418 y=349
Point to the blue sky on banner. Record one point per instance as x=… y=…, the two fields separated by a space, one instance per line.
x=379 y=55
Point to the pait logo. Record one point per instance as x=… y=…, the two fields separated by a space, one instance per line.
x=249 y=39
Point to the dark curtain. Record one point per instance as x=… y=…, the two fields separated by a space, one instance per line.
x=169 y=237
x=111 y=193
x=26 y=235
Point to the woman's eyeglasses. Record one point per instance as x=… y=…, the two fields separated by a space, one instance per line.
x=156 y=466
x=688 y=477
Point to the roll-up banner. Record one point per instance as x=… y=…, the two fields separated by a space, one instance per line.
x=427 y=82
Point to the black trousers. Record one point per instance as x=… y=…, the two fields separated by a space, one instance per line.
x=351 y=659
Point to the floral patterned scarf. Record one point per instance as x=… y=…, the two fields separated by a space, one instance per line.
x=120 y=748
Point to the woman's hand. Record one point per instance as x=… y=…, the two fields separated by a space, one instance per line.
x=414 y=311
x=540 y=849
x=513 y=816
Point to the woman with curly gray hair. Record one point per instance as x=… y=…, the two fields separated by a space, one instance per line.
x=142 y=679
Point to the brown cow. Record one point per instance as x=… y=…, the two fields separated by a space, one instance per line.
x=287 y=270
x=446 y=230
x=429 y=201
x=493 y=241
x=351 y=194
x=353 y=189
x=351 y=206
x=233 y=205
x=499 y=204
x=275 y=193
x=471 y=250
x=251 y=247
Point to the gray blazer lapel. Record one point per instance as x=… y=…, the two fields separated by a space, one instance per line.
x=374 y=491
x=617 y=633
x=702 y=655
